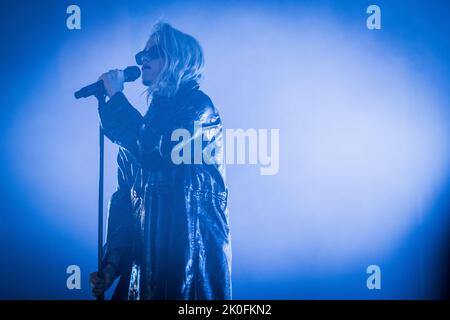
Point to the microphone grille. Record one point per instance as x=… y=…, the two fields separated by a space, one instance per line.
x=131 y=73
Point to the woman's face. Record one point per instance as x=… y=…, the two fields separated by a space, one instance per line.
x=152 y=65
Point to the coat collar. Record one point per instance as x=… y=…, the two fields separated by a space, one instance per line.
x=182 y=90
x=169 y=104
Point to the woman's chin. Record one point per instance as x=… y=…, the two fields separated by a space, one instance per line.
x=147 y=82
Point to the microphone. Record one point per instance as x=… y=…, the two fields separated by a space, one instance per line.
x=130 y=74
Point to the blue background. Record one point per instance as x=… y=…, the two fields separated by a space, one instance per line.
x=364 y=140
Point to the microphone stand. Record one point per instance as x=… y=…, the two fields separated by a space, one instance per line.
x=101 y=101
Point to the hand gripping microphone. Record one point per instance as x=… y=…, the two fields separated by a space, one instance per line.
x=130 y=74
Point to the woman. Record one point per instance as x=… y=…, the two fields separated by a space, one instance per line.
x=168 y=234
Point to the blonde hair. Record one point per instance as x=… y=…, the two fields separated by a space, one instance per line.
x=182 y=56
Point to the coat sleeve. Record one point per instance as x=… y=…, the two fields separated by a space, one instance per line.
x=122 y=123
x=120 y=221
x=151 y=143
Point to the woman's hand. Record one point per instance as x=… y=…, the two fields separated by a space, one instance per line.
x=113 y=81
x=101 y=284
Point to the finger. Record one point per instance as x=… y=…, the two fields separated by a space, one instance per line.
x=121 y=75
x=118 y=73
x=104 y=77
x=113 y=75
x=98 y=282
x=95 y=277
x=99 y=288
x=98 y=292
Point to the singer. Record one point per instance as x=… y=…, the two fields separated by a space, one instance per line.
x=168 y=233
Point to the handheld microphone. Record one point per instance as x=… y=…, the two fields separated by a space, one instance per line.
x=130 y=74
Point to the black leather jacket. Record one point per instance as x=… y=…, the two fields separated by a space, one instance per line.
x=168 y=230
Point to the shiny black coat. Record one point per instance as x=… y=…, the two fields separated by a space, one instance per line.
x=168 y=230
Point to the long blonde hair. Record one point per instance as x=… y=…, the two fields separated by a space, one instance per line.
x=182 y=56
